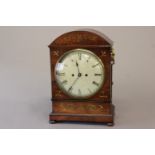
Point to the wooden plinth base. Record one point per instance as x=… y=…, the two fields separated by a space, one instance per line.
x=93 y=118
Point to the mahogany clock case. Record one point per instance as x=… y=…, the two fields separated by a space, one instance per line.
x=97 y=108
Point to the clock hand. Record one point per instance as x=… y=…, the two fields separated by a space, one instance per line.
x=73 y=83
x=79 y=74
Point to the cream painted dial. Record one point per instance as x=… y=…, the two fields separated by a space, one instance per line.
x=79 y=73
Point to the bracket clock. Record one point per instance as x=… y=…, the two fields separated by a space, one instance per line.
x=81 y=73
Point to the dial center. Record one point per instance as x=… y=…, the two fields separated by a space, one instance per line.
x=79 y=74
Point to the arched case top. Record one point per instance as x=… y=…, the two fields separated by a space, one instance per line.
x=84 y=38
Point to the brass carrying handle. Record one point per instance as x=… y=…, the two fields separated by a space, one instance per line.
x=113 y=54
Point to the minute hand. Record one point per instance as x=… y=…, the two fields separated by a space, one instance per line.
x=73 y=84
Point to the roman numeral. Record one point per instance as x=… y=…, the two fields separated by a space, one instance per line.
x=95 y=65
x=79 y=55
x=89 y=90
x=70 y=89
x=88 y=58
x=60 y=74
x=64 y=82
x=95 y=83
x=97 y=74
x=79 y=92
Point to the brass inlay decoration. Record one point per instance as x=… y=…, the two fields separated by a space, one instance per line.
x=77 y=38
x=56 y=53
x=90 y=108
x=103 y=53
x=102 y=95
x=58 y=93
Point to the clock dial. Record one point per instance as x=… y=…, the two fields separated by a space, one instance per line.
x=79 y=73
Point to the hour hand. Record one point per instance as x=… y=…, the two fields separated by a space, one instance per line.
x=77 y=64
